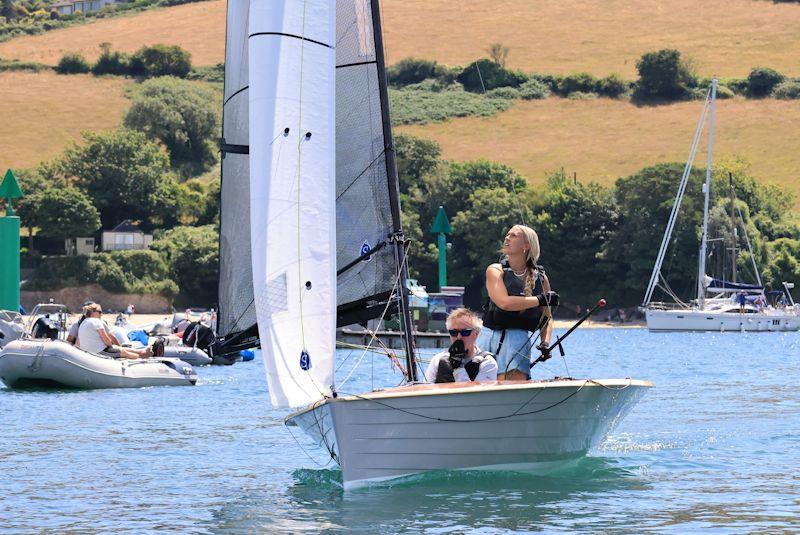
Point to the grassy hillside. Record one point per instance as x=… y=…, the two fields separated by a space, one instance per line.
x=604 y=139
x=43 y=112
x=725 y=37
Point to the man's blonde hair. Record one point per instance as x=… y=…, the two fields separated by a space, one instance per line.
x=94 y=307
x=466 y=314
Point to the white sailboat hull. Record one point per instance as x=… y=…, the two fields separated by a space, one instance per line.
x=705 y=320
x=54 y=361
x=517 y=426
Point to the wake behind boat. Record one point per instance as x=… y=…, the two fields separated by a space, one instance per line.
x=307 y=136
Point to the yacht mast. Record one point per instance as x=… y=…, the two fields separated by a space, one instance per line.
x=701 y=293
x=734 y=228
x=399 y=241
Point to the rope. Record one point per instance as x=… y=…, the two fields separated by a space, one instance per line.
x=517 y=412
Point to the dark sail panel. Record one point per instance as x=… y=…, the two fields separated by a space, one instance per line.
x=236 y=306
x=364 y=220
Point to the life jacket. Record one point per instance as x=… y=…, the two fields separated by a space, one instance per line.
x=444 y=373
x=529 y=319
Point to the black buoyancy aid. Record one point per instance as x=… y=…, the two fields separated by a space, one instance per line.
x=529 y=319
x=444 y=373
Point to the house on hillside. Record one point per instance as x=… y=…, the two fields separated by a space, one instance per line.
x=68 y=7
x=125 y=236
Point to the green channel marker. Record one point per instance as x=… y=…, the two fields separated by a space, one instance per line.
x=9 y=246
x=441 y=226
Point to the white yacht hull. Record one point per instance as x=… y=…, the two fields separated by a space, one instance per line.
x=52 y=361
x=705 y=320
x=516 y=426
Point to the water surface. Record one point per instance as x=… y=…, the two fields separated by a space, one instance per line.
x=716 y=444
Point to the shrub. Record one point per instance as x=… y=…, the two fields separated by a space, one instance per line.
x=420 y=107
x=788 y=90
x=580 y=95
x=105 y=271
x=110 y=62
x=508 y=93
x=72 y=64
x=724 y=92
x=551 y=81
x=213 y=73
x=612 y=86
x=533 y=89
x=411 y=71
x=583 y=82
x=140 y=265
x=485 y=74
x=663 y=75
x=762 y=80
x=161 y=60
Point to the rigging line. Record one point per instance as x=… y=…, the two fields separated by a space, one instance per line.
x=300 y=138
x=381 y=153
x=313 y=460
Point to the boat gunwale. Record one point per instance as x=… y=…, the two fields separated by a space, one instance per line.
x=433 y=389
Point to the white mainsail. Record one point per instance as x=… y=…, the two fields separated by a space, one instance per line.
x=292 y=193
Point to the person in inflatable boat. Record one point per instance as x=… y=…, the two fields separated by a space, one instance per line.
x=95 y=337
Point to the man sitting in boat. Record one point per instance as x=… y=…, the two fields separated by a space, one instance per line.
x=463 y=361
x=72 y=335
x=94 y=337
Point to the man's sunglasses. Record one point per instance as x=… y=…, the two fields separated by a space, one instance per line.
x=464 y=332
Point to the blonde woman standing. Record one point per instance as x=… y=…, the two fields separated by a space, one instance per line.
x=519 y=305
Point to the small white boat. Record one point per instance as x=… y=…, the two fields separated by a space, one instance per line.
x=11 y=327
x=518 y=426
x=31 y=362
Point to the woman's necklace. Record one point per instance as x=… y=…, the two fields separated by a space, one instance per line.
x=519 y=274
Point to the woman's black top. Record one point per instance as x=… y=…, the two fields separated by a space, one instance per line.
x=496 y=318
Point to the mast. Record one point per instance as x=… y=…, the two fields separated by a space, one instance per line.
x=734 y=231
x=701 y=293
x=677 y=204
x=398 y=239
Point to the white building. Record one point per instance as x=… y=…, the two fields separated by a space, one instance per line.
x=124 y=236
x=68 y=7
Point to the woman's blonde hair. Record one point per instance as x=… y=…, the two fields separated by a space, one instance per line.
x=531 y=257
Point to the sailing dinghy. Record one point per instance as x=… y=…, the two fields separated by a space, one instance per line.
x=327 y=249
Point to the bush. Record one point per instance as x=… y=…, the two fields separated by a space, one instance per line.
x=583 y=82
x=762 y=80
x=485 y=74
x=213 y=73
x=72 y=64
x=533 y=90
x=612 y=86
x=787 y=90
x=663 y=75
x=17 y=65
x=106 y=272
x=411 y=106
x=411 y=71
x=160 y=60
x=140 y=265
x=580 y=95
x=508 y=93
x=724 y=92
x=550 y=81
x=110 y=62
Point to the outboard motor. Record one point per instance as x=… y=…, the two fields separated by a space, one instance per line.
x=45 y=328
x=199 y=336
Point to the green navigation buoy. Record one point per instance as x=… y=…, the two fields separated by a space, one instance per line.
x=9 y=246
x=441 y=226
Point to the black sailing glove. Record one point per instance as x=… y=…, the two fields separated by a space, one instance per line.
x=545 y=350
x=457 y=353
x=550 y=299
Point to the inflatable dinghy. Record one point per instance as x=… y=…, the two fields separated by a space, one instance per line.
x=53 y=362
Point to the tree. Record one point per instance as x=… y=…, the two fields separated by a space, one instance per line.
x=762 y=80
x=192 y=254
x=644 y=201
x=181 y=115
x=161 y=60
x=415 y=157
x=110 y=62
x=663 y=75
x=485 y=74
x=574 y=223
x=125 y=175
x=66 y=213
x=498 y=53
